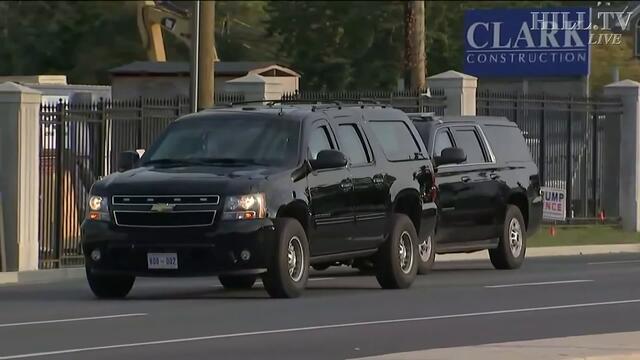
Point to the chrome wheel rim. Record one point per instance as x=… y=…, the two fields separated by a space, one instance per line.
x=405 y=252
x=295 y=259
x=515 y=237
x=424 y=249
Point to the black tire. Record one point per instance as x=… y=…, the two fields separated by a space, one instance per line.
x=110 y=286
x=234 y=282
x=321 y=267
x=426 y=255
x=277 y=280
x=506 y=256
x=391 y=272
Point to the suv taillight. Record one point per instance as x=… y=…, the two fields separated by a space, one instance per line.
x=431 y=191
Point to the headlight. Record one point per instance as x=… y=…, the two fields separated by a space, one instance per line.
x=245 y=207
x=98 y=209
x=95 y=203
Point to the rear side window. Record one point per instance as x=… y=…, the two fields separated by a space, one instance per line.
x=352 y=144
x=507 y=143
x=468 y=140
x=396 y=140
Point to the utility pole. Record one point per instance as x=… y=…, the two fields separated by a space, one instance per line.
x=195 y=56
x=207 y=55
x=414 y=45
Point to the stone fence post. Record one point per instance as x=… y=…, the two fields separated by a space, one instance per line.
x=629 y=165
x=460 y=90
x=20 y=174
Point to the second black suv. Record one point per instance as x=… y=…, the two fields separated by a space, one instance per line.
x=265 y=191
x=488 y=186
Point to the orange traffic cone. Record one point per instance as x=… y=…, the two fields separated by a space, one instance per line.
x=552 y=231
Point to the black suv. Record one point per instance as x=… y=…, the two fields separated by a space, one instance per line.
x=266 y=191
x=488 y=186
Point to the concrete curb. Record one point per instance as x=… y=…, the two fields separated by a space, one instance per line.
x=552 y=251
x=41 y=276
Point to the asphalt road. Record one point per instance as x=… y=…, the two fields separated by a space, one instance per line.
x=341 y=315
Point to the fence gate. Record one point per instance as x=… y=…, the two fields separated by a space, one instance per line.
x=79 y=143
x=572 y=140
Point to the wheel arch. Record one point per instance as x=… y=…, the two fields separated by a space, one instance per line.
x=519 y=199
x=408 y=202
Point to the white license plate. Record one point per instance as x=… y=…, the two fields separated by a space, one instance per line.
x=162 y=260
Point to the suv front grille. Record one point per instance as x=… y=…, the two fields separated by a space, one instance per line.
x=164 y=211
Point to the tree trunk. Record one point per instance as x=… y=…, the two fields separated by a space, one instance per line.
x=206 y=55
x=414 y=45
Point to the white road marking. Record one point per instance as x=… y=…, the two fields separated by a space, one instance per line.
x=537 y=284
x=313 y=328
x=71 y=320
x=614 y=262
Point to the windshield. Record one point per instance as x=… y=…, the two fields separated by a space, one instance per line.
x=263 y=140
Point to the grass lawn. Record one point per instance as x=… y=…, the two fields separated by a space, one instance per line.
x=583 y=235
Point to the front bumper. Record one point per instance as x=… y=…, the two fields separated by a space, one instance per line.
x=201 y=251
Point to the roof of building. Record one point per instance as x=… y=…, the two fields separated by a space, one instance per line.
x=224 y=68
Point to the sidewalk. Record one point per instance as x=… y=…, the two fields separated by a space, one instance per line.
x=43 y=276
x=617 y=346
x=551 y=251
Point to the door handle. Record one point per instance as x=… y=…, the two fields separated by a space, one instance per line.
x=346 y=185
x=465 y=179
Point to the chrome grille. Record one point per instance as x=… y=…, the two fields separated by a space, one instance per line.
x=164 y=211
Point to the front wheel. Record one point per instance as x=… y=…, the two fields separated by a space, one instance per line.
x=288 y=269
x=513 y=242
x=396 y=264
x=110 y=286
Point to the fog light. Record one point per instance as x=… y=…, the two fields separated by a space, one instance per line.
x=245 y=255
x=96 y=255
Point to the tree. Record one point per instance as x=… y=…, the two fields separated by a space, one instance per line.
x=340 y=44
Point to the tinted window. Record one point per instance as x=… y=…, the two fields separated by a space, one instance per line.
x=468 y=140
x=351 y=144
x=265 y=140
x=443 y=141
x=319 y=141
x=507 y=143
x=396 y=139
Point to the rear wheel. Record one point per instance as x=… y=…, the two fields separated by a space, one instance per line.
x=288 y=270
x=237 y=281
x=513 y=242
x=427 y=255
x=110 y=286
x=396 y=264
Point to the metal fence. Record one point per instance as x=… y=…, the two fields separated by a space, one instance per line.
x=432 y=100
x=79 y=143
x=567 y=139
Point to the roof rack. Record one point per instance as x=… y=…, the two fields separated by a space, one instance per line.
x=340 y=102
x=425 y=116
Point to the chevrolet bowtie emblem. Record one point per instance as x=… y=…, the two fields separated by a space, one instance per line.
x=162 y=207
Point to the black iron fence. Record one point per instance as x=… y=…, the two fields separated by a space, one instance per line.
x=432 y=100
x=569 y=139
x=79 y=143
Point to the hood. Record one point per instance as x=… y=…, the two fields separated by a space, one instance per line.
x=185 y=180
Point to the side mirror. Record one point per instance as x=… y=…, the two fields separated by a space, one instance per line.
x=451 y=156
x=328 y=159
x=127 y=160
